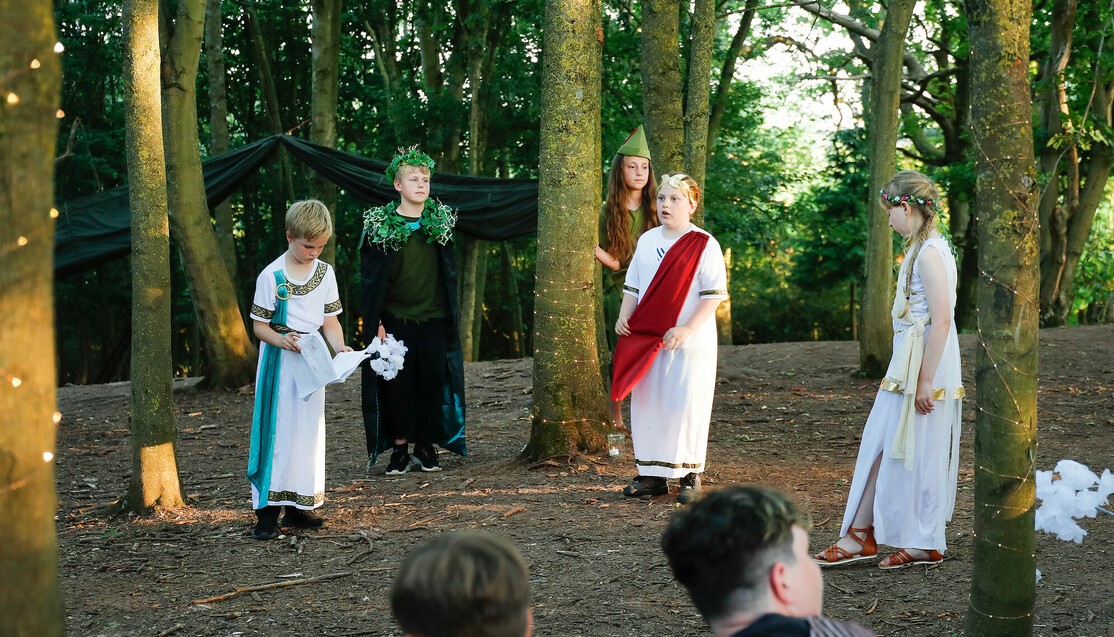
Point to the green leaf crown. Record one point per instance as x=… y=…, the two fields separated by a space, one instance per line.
x=408 y=157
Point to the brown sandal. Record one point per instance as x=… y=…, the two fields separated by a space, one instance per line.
x=901 y=559
x=836 y=556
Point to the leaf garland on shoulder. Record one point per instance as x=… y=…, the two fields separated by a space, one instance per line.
x=386 y=227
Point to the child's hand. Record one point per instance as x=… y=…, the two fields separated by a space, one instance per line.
x=675 y=336
x=606 y=259
x=344 y=348
x=381 y=333
x=290 y=342
x=923 y=401
x=621 y=327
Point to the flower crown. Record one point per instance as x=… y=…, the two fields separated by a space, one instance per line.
x=896 y=199
x=408 y=157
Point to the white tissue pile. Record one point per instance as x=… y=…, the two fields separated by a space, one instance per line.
x=1078 y=493
x=391 y=354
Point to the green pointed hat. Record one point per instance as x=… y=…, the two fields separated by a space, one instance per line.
x=635 y=145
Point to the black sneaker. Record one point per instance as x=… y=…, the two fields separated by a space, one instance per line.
x=400 y=461
x=302 y=519
x=646 y=486
x=690 y=488
x=425 y=456
x=266 y=525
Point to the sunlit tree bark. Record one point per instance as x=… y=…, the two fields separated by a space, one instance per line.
x=662 y=84
x=569 y=411
x=231 y=354
x=876 y=330
x=154 y=477
x=1003 y=582
x=30 y=84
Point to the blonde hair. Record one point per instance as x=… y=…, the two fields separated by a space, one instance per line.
x=617 y=222
x=922 y=196
x=405 y=170
x=684 y=183
x=308 y=219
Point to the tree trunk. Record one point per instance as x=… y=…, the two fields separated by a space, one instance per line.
x=698 y=95
x=661 y=83
x=570 y=411
x=727 y=72
x=270 y=99
x=231 y=355
x=473 y=268
x=723 y=310
x=1003 y=582
x=965 y=237
x=514 y=300
x=876 y=331
x=30 y=600
x=325 y=38
x=154 y=476
x=218 y=125
x=1068 y=205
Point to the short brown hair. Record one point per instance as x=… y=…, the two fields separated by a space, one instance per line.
x=723 y=547
x=309 y=219
x=463 y=584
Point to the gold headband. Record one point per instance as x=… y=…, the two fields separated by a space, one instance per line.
x=677 y=181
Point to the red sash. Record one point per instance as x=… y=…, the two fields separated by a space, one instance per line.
x=656 y=313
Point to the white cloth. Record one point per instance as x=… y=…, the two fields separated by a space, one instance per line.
x=671 y=407
x=913 y=504
x=298 y=460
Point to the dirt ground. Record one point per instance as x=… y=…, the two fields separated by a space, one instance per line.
x=786 y=414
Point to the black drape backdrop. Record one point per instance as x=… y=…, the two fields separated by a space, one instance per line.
x=97 y=228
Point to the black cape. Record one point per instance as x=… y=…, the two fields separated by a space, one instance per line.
x=375 y=267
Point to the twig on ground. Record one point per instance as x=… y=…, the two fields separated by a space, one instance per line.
x=267 y=587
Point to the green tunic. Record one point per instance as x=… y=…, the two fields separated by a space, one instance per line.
x=613 y=280
x=416 y=289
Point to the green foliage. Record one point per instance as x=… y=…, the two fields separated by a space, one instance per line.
x=1094 y=277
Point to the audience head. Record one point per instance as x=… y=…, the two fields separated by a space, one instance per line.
x=742 y=552
x=463 y=584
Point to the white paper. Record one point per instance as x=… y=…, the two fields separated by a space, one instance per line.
x=315 y=368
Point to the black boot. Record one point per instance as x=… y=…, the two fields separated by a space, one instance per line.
x=266 y=525
x=302 y=519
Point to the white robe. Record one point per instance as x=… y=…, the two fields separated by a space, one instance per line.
x=912 y=506
x=671 y=407
x=298 y=458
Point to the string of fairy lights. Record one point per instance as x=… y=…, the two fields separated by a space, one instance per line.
x=1008 y=425
x=8 y=377
x=578 y=309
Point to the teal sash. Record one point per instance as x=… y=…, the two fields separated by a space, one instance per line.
x=261 y=449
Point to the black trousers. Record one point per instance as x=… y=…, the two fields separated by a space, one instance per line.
x=410 y=403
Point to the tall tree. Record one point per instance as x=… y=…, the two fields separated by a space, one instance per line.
x=876 y=330
x=698 y=93
x=325 y=38
x=1076 y=154
x=30 y=86
x=218 y=124
x=569 y=410
x=154 y=476
x=662 y=84
x=231 y=355
x=1003 y=582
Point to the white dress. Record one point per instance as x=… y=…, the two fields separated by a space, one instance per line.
x=671 y=406
x=298 y=459
x=913 y=503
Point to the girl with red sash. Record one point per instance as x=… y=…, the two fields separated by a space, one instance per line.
x=666 y=354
